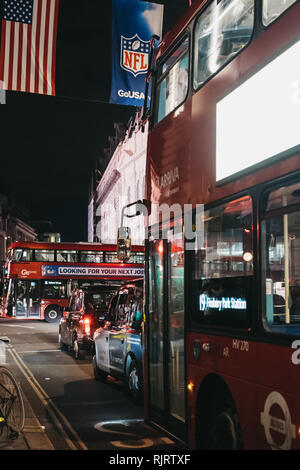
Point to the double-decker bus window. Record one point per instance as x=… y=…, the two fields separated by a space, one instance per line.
x=281 y=259
x=136 y=258
x=173 y=81
x=111 y=257
x=26 y=255
x=21 y=254
x=44 y=255
x=17 y=254
x=54 y=289
x=66 y=256
x=274 y=8
x=91 y=257
x=223 y=266
x=222 y=30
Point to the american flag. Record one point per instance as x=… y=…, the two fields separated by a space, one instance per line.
x=28 y=45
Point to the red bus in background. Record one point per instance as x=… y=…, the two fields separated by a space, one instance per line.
x=225 y=133
x=40 y=276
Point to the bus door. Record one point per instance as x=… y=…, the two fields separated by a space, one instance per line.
x=166 y=368
x=34 y=299
x=27 y=298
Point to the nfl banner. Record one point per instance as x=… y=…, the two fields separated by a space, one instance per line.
x=134 y=23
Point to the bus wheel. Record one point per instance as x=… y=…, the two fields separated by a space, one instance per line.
x=52 y=314
x=135 y=382
x=225 y=431
x=99 y=374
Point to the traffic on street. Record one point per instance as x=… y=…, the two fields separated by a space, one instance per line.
x=149 y=228
x=75 y=411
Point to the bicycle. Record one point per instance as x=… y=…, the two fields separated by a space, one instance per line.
x=12 y=414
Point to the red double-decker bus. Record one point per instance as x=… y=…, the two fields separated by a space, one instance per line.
x=223 y=318
x=40 y=276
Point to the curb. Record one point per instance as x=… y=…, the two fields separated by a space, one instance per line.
x=34 y=433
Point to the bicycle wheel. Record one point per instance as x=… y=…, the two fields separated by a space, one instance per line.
x=11 y=401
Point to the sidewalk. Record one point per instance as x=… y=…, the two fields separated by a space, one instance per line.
x=33 y=436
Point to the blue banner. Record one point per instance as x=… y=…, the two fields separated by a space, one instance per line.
x=134 y=23
x=87 y=271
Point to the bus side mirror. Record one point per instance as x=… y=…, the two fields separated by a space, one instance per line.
x=124 y=243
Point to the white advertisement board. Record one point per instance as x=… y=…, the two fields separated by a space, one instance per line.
x=260 y=118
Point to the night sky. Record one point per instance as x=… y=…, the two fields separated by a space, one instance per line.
x=50 y=145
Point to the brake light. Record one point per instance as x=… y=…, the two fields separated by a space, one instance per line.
x=87 y=325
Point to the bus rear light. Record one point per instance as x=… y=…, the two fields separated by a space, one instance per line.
x=191 y=386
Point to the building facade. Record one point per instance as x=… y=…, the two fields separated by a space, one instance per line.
x=122 y=183
x=12 y=227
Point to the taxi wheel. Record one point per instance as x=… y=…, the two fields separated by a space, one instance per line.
x=78 y=352
x=135 y=382
x=99 y=374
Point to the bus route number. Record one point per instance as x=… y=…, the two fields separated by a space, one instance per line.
x=240 y=345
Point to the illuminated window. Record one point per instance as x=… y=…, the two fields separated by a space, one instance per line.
x=21 y=254
x=44 y=255
x=227 y=235
x=54 y=289
x=27 y=254
x=66 y=256
x=91 y=257
x=281 y=259
x=17 y=254
x=111 y=257
x=222 y=30
x=173 y=81
x=274 y=8
x=223 y=266
x=137 y=258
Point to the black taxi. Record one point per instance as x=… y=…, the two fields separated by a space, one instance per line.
x=87 y=310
